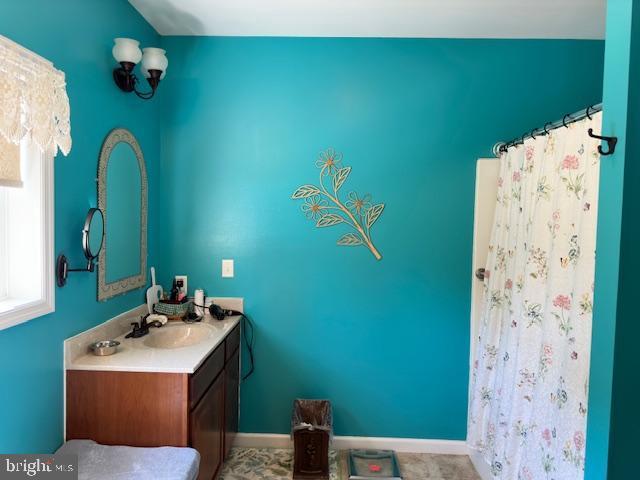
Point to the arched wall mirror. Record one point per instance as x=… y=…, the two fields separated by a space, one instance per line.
x=122 y=197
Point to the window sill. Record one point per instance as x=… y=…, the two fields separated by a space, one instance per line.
x=16 y=311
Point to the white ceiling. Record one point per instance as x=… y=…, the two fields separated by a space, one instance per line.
x=580 y=19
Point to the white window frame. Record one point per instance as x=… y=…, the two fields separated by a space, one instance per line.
x=4 y=260
x=46 y=304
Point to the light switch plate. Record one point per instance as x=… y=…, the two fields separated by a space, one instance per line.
x=227 y=268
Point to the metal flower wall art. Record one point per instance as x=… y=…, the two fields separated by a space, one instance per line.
x=322 y=203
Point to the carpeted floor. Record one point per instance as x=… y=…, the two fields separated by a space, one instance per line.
x=275 y=464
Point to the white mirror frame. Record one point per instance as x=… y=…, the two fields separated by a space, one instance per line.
x=109 y=290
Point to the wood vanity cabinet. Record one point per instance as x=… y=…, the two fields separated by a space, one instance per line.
x=232 y=400
x=198 y=410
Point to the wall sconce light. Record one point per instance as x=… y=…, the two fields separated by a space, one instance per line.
x=154 y=66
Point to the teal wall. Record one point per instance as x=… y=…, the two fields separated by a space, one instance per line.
x=615 y=99
x=243 y=122
x=613 y=415
x=77 y=36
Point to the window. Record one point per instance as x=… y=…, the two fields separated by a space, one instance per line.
x=26 y=240
x=34 y=127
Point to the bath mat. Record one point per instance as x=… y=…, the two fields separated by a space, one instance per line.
x=268 y=464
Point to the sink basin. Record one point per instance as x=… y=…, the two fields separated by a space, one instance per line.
x=178 y=335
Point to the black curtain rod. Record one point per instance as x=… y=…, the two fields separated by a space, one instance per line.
x=568 y=119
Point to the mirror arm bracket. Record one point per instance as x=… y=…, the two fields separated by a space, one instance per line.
x=62 y=264
x=62 y=269
x=89 y=268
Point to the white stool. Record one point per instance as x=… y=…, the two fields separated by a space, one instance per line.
x=105 y=462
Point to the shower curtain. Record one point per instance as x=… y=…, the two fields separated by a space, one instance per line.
x=529 y=383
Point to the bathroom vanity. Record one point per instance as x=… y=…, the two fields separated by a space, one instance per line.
x=178 y=386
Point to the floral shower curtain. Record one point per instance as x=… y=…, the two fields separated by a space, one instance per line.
x=528 y=401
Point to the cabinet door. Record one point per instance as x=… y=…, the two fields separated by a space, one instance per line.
x=232 y=385
x=207 y=429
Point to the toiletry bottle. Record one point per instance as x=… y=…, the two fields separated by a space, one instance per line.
x=174 y=292
x=199 y=301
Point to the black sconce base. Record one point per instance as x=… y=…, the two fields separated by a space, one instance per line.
x=125 y=80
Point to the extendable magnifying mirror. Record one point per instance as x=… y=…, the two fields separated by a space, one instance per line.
x=92 y=239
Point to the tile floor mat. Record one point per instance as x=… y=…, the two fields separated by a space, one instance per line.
x=276 y=464
x=266 y=463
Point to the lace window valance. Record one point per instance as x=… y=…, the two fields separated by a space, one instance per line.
x=33 y=102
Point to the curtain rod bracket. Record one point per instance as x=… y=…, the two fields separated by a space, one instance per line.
x=611 y=143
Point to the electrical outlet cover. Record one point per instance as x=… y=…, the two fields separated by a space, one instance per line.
x=185 y=283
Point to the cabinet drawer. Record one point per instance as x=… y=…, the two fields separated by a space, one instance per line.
x=232 y=342
x=206 y=374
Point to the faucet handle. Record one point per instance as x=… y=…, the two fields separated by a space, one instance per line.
x=134 y=332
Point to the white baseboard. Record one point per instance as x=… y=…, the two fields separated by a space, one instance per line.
x=412 y=445
x=262 y=440
x=480 y=465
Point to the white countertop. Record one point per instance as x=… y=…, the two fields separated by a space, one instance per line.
x=134 y=355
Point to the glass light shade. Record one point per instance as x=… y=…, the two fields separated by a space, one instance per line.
x=126 y=50
x=154 y=59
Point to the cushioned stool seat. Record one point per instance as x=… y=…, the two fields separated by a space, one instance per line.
x=105 y=462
